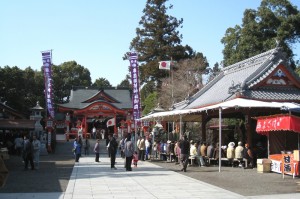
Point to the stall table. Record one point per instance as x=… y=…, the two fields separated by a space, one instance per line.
x=290 y=165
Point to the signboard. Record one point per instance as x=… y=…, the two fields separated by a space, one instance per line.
x=47 y=56
x=278 y=123
x=134 y=69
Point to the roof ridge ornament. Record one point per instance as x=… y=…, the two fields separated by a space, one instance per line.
x=235 y=88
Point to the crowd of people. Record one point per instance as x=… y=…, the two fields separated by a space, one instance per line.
x=180 y=151
x=28 y=148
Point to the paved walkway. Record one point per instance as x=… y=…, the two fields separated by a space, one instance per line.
x=90 y=180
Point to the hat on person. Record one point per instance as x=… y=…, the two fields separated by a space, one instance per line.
x=240 y=143
x=231 y=144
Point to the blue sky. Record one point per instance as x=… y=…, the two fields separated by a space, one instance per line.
x=96 y=33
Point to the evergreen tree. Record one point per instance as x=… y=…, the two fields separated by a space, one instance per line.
x=66 y=76
x=102 y=83
x=275 y=22
x=125 y=83
x=158 y=40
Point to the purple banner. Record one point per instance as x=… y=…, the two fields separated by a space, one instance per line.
x=48 y=82
x=134 y=69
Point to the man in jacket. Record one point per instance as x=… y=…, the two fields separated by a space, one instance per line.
x=28 y=153
x=184 y=150
x=112 y=150
x=128 y=151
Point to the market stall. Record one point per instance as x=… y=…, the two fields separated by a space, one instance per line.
x=283 y=133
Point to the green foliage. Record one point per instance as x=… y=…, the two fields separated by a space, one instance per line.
x=125 y=83
x=147 y=89
x=21 y=89
x=275 y=22
x=102 y=83
x=158 y=39
x=150 y=103
x=67 y=75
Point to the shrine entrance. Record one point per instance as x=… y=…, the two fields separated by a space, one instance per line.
x=97 y=114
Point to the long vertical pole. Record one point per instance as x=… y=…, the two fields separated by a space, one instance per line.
x=220 y=137
x=180 y=126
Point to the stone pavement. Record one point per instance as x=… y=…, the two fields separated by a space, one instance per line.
x=60 y=178
x=91 y=180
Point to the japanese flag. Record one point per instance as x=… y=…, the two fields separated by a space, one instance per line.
x=166 y=65
x=110 y=122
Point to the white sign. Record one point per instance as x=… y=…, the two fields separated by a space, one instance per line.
x=276 y=166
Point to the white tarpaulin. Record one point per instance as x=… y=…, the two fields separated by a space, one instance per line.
x=235 y=103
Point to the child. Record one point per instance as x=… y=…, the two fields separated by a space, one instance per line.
x=135 y=159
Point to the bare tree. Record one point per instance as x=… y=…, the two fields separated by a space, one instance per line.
x=184 y=80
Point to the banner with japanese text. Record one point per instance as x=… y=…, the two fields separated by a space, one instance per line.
x=134 y=69
x=278 y=123
x=47 y=57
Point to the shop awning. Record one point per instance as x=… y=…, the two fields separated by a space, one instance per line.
x=278 y=123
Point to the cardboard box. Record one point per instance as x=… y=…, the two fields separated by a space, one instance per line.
x=263 y=161
x=263 y=165
x=297 y=155
x=263 y=168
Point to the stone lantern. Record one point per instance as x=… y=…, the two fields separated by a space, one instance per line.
x=36 y=115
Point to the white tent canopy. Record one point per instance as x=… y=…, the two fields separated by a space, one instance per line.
x=235 y=103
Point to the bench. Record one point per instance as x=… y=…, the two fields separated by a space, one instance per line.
x=192 y=160
x=163 y=156
x=171 y=157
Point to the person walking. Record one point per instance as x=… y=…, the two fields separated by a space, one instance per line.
x=86 y=146
x=97 y=150
x=138 y=145
x=94 y=131
x=184 y=152
x=19 y=145
x=142 y=149
x=74 y=147
x=121 y=147
x=128 y=151
x=28 y=153
x=112 y=150
x=135 y=159
x=78 y=146
x=36 y=151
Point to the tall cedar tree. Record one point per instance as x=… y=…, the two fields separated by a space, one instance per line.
x=275 y=22
x=158 y=40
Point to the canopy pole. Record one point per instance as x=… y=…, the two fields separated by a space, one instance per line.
x=168 y=130
x=268 y=136
x=220 y=137
x=298 y=142
x=180 y=126
x=173 y=129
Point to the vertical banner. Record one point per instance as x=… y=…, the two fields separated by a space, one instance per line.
x=46 y=55
x=134 y=69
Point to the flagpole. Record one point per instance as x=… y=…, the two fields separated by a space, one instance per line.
x=171 y=80
x=172 y=92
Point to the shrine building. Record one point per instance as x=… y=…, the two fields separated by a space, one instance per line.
x=106 y=109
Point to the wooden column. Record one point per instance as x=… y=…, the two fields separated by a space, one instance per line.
x=203 y=126
x=248 y=125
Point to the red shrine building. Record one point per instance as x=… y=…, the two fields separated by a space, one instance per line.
x=109 y=110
